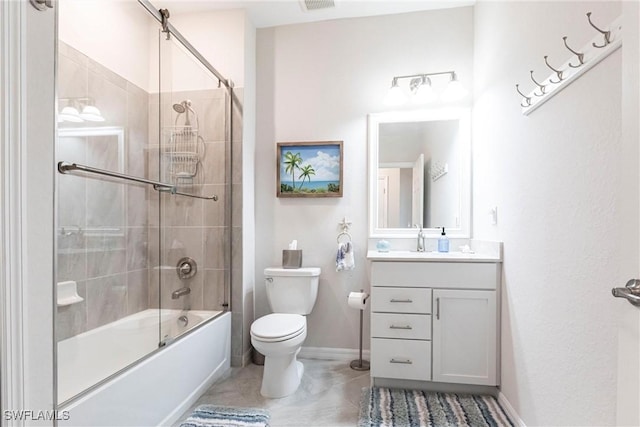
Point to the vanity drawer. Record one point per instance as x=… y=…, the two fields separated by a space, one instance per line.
x=403 y=359
x=401 y=300
x=467 y=275
x=407 y=326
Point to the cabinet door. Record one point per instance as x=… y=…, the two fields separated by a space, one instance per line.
x=464 y=337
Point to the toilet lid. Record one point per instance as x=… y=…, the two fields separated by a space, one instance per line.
x=278 y=326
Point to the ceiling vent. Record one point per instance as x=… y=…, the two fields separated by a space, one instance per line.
x=309 y=5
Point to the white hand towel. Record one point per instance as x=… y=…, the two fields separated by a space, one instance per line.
x=344 y=258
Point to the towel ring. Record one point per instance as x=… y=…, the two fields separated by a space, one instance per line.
x=344 y=233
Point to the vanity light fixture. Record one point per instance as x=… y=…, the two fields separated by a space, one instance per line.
x=79 y=110
x=422 y=90
x=70 y=114
x=454 y=90
x=396 y=95
x=91 y=113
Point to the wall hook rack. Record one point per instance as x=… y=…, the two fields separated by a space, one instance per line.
x=588 y=56
x=578 y=54
x=527 y=99
x=606 y=34
x=542 y=87
x=558 y=72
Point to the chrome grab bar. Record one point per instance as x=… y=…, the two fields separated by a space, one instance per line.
x=65 y=167
x=631 y=292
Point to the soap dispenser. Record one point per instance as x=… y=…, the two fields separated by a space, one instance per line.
x=443 y=242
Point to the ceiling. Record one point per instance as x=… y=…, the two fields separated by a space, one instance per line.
x=270 y=13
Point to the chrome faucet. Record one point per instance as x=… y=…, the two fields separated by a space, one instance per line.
x=180 y=292
x=421 y=237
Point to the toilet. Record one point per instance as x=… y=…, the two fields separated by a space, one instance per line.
x=279 y=336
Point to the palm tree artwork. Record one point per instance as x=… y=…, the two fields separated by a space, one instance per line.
x=309 y=169
x=292 y=162
x=305 y=173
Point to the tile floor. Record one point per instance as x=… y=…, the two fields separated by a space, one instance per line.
x=329 y=395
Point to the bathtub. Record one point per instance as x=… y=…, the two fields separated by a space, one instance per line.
x=155 y=391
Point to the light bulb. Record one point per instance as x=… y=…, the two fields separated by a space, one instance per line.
x=91 y=114
x=454 y=90
x=70 y=114
x=396 y=95
x=424 y=93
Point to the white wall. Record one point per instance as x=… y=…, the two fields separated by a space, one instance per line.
x=318 y=82
x=247 y=180
x=566 y=186
x=114 y=33
x=132 y=50
x=219 y=36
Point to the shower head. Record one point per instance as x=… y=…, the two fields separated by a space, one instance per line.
x=184 y=107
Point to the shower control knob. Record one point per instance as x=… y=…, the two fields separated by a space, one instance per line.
x=186 y=268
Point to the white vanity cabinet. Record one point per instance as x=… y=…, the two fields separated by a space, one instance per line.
x=435 y=321
x=465 y=337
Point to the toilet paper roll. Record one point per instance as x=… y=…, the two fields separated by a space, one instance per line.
x=358 y=300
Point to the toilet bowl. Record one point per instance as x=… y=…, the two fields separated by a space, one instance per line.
x=279 y=337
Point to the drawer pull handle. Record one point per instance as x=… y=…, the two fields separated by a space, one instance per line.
x=404 y=361
x=401 y=300
x=401 y=327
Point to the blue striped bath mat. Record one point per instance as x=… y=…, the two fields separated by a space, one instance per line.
x=224 y=416
x=408 y=408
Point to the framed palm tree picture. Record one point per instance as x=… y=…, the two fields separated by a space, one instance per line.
x=309 y=169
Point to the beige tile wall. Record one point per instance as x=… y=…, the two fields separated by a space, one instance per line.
x=109 y=267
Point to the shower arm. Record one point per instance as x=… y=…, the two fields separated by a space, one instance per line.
x=66 y=167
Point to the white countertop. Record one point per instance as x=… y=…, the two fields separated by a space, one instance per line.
x=374 y=255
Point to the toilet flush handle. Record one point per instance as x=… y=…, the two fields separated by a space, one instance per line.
x=269 y=279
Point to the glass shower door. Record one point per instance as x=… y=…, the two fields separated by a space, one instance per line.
x=194 y=249
x=104 y=321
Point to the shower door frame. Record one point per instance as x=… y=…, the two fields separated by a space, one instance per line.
x=27 y=42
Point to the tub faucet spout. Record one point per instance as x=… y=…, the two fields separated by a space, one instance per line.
x=180 y=292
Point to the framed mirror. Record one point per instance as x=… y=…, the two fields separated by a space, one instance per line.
x=420 y=172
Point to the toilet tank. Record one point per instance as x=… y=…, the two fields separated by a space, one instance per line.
x=292 y=290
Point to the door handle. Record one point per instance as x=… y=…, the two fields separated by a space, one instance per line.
x=631 y=292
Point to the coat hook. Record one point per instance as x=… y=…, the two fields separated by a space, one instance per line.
x=579 y=55
x=558 y=72
x=527 y=99
x=542 y=87
x=607 y=34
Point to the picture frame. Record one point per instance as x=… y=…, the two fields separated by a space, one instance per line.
x=309 y=169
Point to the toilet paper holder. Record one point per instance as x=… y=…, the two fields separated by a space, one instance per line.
x=359 y=364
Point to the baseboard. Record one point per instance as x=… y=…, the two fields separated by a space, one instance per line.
x=330 y=353
x=246 y=357
x=506 y=405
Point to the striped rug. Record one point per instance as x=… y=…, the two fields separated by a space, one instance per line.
x=224 y=416
x=408 y=408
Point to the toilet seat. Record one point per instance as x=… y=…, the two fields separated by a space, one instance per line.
x=278 y=327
